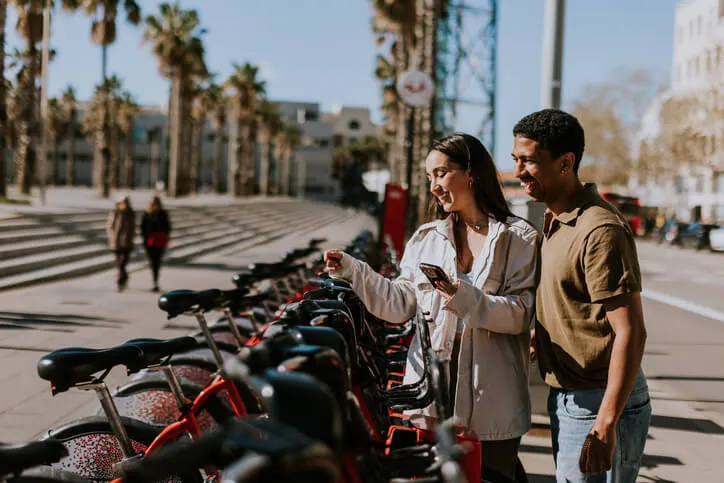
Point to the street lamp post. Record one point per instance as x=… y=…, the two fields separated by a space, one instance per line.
x=552 y=54
x=45 y=60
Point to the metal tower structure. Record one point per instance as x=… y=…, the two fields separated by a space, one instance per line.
x=466 y=74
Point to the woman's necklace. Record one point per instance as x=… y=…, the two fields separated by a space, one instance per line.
x=477 y=227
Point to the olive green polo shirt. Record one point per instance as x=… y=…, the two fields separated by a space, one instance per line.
x=588 y=255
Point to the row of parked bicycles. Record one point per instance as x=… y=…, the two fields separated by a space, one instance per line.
x=293 y=380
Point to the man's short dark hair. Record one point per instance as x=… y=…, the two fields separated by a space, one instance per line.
x=556 y=131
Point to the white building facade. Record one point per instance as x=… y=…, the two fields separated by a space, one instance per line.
x=697 y=191
x=311 y=169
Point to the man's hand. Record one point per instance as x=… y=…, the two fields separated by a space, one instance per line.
x=597 y=452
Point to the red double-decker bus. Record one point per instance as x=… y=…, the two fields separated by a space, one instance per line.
x=629 y=207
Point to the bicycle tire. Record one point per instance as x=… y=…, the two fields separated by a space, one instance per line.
x=93 y=448
x=149 y=399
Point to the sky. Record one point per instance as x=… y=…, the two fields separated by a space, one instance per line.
x=323 y=51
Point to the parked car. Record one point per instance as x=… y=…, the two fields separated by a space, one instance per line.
x=716 y=239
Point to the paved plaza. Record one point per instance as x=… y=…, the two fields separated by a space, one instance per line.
x=686 y=435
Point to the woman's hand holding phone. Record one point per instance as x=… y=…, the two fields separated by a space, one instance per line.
x=439 y=280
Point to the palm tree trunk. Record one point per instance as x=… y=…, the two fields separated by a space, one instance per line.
x=233 y=178
x=218 y=154
x=265 y=161
x=52 y=175
x=250 y=143
x=245 y=158
x=175 y=131
x=104 y=149
x=155 y=150
x=197 y=133
x=428 y=112
x=128 y=180
x=115 y=157
x=25 y=154
x=399 y=152
x=70 y=154
x=286 y=162
x=3 y=104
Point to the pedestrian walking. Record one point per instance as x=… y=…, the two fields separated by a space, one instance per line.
x=120 y=229
x=155 y=230
x=482 y=301
x=590 y=335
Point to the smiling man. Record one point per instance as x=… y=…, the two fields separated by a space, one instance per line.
x=590 y=334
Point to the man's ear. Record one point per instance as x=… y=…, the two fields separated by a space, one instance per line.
x=567 y=161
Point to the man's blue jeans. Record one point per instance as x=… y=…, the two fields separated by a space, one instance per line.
x=572 y=415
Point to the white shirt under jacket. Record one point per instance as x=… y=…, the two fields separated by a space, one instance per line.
x=497 y=310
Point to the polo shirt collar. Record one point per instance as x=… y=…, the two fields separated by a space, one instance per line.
x=582 y=199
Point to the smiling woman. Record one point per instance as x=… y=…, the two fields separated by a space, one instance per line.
x=482 y=306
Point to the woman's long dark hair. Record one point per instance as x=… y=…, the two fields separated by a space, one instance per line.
x=469 y=153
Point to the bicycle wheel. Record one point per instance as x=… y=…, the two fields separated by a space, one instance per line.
x=150 y=400
x=93 y=449
x=198 y=369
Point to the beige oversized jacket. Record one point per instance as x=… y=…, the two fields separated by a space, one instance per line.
x=497 y=310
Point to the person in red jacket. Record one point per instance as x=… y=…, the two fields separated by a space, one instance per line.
x=155 y=229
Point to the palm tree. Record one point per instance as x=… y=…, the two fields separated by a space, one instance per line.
x=289 y=139
x=57 y=131
x=70 y=108
x=247 y=89
x=97 y=121
x=103 y=33
x=196 y=124
x=127 y=112
x=270 y=123
x=154 y=139
x=30 y=26
x=215 y=102
x=3 y=103
x=177 y=45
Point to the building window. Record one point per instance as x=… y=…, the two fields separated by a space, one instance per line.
x=691 y=29
x=720 y=185
x=338 y=140
x=696 y=66
x=322 y=143
x=698 y=25
x=353 y=125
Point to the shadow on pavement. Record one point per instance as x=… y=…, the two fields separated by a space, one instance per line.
x=208 y=266
x=686 y=378
x=43 y=350
x=650 y=461
x=686 y=424
x=52 y=322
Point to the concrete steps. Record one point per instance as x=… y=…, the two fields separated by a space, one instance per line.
x=40 y=248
